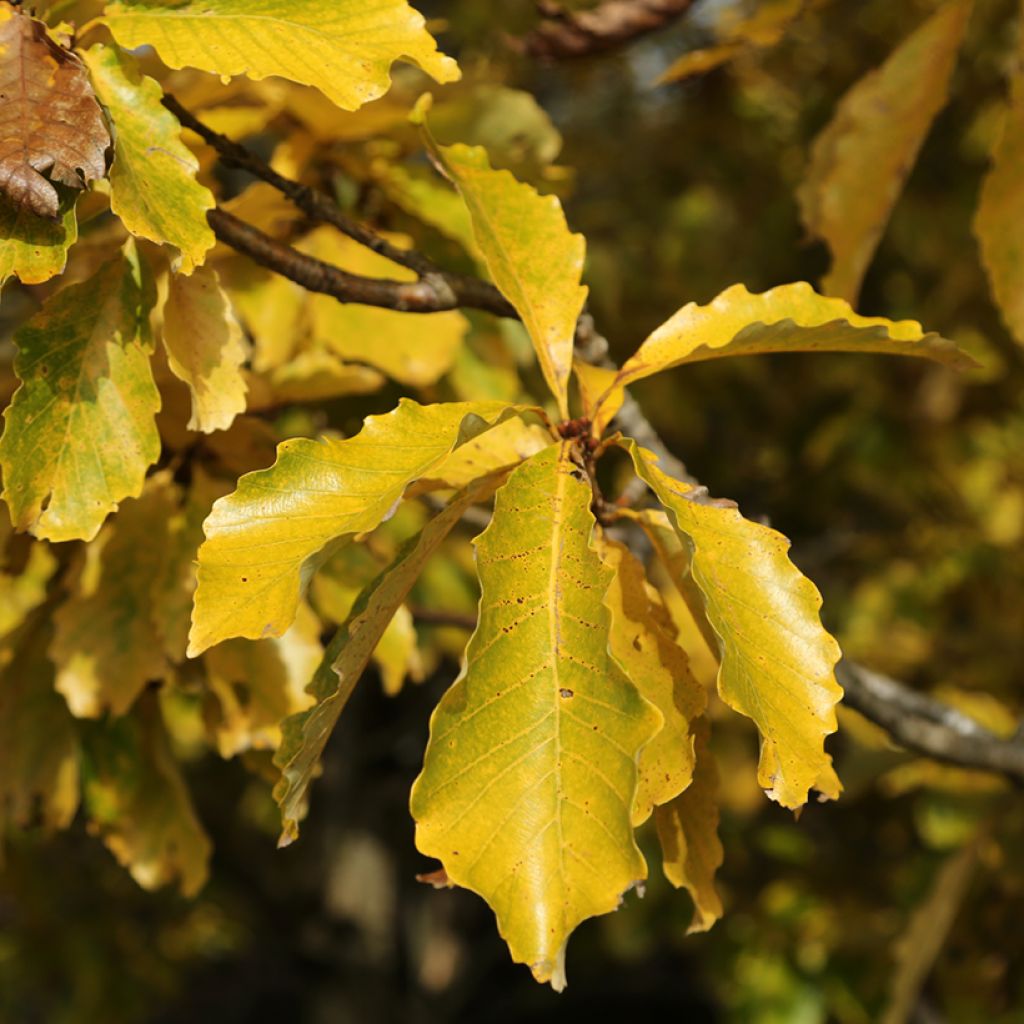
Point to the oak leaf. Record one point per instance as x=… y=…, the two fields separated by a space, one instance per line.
x=50 y=122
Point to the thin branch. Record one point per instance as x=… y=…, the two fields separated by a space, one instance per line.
x=928 y=726
x=448 y=290
x=566 y=34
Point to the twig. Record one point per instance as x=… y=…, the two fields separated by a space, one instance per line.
x=927 y=726
x=566 y=34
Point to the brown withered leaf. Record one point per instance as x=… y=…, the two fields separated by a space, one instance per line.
x=50 y=121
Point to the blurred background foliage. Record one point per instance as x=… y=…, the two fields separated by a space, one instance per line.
x=901 y=484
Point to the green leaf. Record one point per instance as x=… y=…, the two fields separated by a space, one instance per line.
x=80 y=431
x=254 y=685
x=409 y=347
x=107 y=645
x=261 y=540
x=777 y=659
x=205 y=348
x=657 y=666
x=1000 y=213
x=860 y=162
x=530 y=774
x=39 y=753
x=153 y=187
x=688 y=831
x=530 y=254
x=306 y=734
x=34 y=249
x=789 y=318
x=138 y=803
x=343 y=47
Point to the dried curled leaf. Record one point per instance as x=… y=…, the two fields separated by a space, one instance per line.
x=49 y=118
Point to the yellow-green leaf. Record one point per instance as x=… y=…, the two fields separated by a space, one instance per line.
x=657 y=666
x=153 y=187
x=530 y=775
x=409 y=347
x=343 y=47
x=688 y=831
x=860 y=162
x=261 y=539
x=205 y=348
x=789 y=318
x=32 y=248
x=530 y=253
x=256 y=684
x=305 y=735
x=80 y=431
x=107 y=646
x=138 y=804
x=777 y=659
x=1000 y=214
x=39 y=753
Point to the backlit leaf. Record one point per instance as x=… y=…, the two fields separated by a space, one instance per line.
x=205 y=348
x=343 y=47
x=138 y=804
x=530 y=253
x=409 y=347
x=107 y=646
x=23 y=591
x=256 y=684
x=1001 y=211
x=688 y=830
x=305 y=735
x=777 y=659
x=658 y=668
x=530 y=776
x=261 y=538
x=861 y=160
x=50 y=122
x=153 y=187
x=34 y=249
x=789 y=318
x=79 y=433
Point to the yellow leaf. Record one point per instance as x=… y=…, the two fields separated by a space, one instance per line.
x=205 y=348
x=530 y=776
x=261 y=540
x=153 y=187
x=861 y=160
x=256 y=684
x=1000 y=213
x=688 y=831
x=272 y=308
x=306 y=734
x=658 y=668
x=409 y=347
x=530 y=254
x=601 y=396
x=777 y=659
x=106 y=646
x=80 y=431
x=343 y=47
x=138 y=804
x=310 y=376
x=504 y=445
x=789 y=318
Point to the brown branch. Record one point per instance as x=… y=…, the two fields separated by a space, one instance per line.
x=436 y=290
x=566 y=34
x=927 y=726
